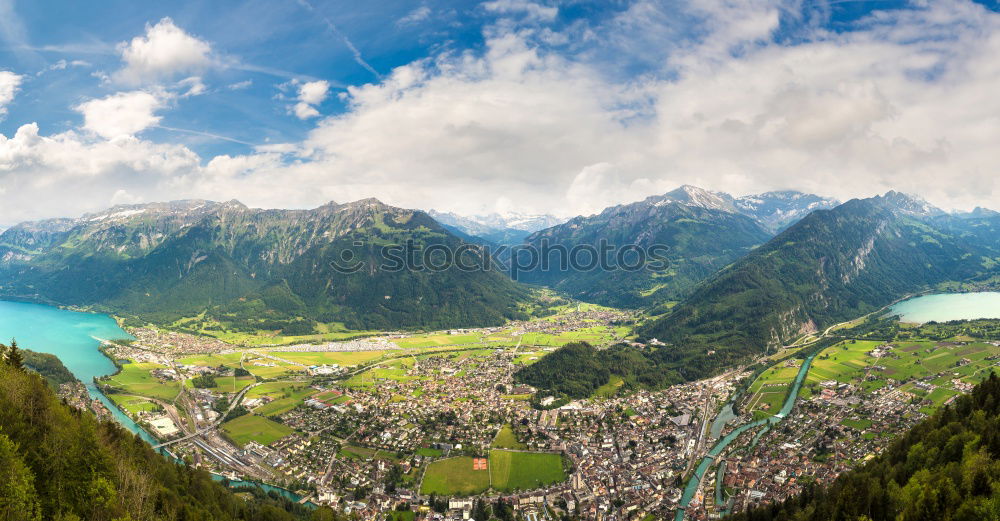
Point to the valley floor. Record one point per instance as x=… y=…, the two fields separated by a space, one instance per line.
x=373 y=423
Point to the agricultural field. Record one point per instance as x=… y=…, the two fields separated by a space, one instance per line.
x=342 y=358
x=597 y=335
x=506 y=439
x=227 y=384
x=512 y=471
x=909 y=361
x=132 y=404
x=269 y=369
x=844 y=362
x=251 y=427
x=454 y=477
x=325 y=332
x=231 y=360
x=135 y=378
x=768 y=391
x=372 y=377
x=285 y=400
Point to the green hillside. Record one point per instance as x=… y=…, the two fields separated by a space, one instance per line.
x=247 y=269
x=578 y=370
x=59 y=464
x=832 y=266
x=698 y=242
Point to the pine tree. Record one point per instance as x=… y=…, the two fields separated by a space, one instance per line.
x=14 y=357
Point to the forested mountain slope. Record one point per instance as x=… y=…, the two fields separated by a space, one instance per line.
x=57 y=463
x=699 y=240
x=698 y=232
x=254 y=269
x=833 y=265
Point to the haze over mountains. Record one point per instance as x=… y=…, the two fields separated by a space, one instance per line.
x=499 y=228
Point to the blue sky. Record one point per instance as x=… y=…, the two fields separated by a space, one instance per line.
x=536 y=106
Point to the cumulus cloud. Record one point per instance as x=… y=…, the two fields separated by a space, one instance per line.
x=9 y=83
x=526 y=8
x=120 y=115
x=164 y=52
x=74 y=173
x=311 y=94
x=903 y=100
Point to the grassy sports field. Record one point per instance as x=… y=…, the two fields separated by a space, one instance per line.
x=513 y=471
x=454 y=477
x=251 y=427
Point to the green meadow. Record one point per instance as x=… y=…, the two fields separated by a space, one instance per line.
x=251 y=427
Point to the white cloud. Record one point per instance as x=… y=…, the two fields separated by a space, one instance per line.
x=163 y=53
x=526 y=8
x=415 y=16
x=904 y=101
x=9 y=84
x=311 y=93
x=63 y=65
x=122 y=196
x=73 y=173
x=240 y=85
x=314 y=92
x=121 y=114
x=193 y=85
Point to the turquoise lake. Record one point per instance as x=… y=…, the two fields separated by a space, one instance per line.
x=72 y=336
x=75 y=337
x=949 y=306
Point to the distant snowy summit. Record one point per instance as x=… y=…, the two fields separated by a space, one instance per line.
x=499 y=228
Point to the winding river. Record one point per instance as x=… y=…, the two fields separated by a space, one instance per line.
x=692 y=485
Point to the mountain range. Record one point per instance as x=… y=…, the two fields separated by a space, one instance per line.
x=252 y=269
x=703 y=231
x=831 y=266
x=743 y=274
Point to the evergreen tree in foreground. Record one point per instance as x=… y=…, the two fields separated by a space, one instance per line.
x=12 y=355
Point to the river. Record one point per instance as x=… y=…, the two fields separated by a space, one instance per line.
x=718 y=448
x=75 y=338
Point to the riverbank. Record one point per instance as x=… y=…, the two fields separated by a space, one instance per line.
x=694 y=483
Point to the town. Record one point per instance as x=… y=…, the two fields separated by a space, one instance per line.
x=435 y=424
